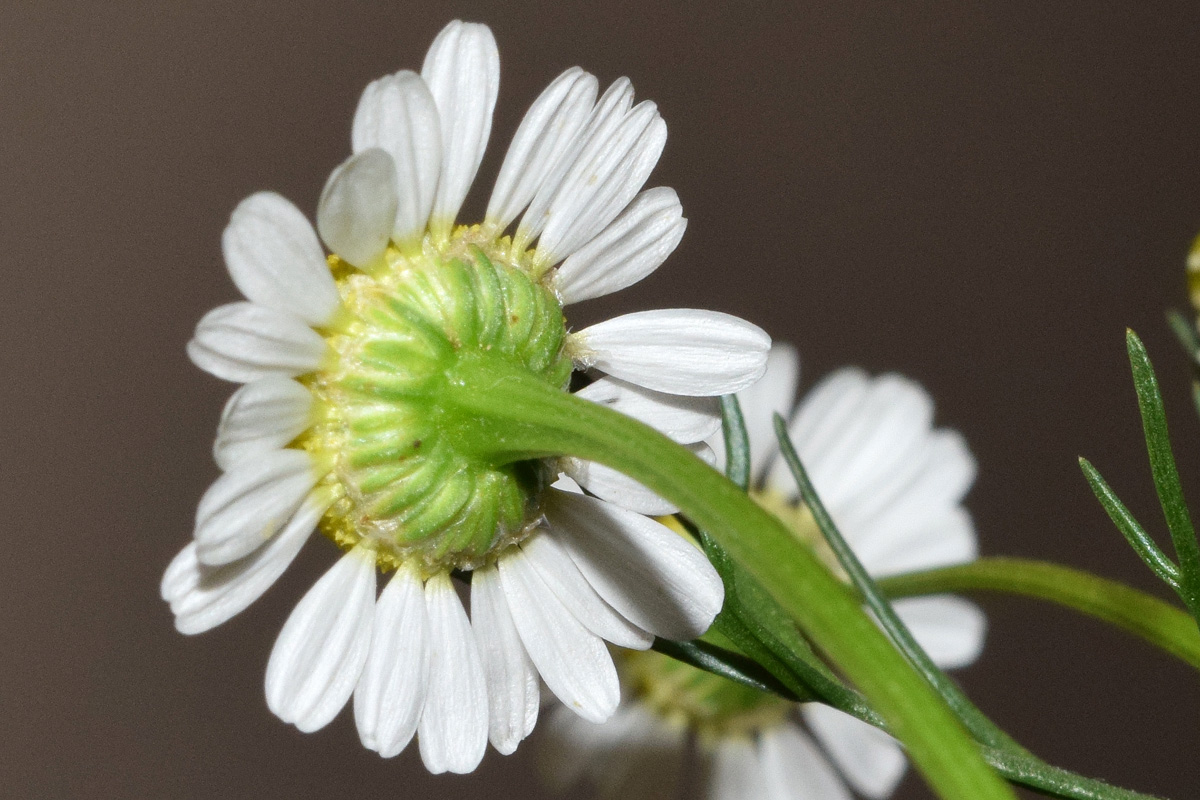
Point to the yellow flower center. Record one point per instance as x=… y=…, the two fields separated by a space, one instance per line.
x=712 y=706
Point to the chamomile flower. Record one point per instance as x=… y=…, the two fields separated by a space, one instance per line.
x=894 y=484
x=345 y=422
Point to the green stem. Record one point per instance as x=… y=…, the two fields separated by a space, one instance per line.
x=1052 y=781
x=1159 y=623
x=727 y=664
x=507 y=414
x=972 y=718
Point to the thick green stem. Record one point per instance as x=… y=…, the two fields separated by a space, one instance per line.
x=1158 y=622
x=503 y=414
x=972 y=718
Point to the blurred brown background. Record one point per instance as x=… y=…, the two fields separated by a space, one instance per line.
x=979 y=195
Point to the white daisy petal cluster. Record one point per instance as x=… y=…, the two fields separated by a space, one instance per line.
x=895 y=485
x=338 y=424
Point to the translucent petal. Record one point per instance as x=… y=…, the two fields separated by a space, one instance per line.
x=397 y=114
x=358 y=207
x=774 y=393
x=736 y=773
x=606 y=175
x=950 y=629
x=871 y=761
x=616 y=487
x=559 y=572
x=684 y=419
x=795 y=769
x=603 y=121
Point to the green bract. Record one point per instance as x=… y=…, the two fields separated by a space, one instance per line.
x=410 y=483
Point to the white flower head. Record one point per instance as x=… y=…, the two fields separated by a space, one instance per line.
x=894 y=484
x=340 y=424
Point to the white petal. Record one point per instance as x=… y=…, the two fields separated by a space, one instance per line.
x=795 y=769
x=616 y=487
x=243 y=342
x=607 y=173
x=276 y=261
x=390 y=693
x=920 y=508
x=247 y=505
x=512 y=682
x=573 y=661
x=454 y=725
x=320 y=652
x=884 y=435
x=736 y=773
x=566 y=484
x=261 y=416
x=774 y=393
x=680 y=351
x=629 y=249
x=950 y=629
x=398 y=115
x=559 y=572
x=358 y=207
x=820 y=419
x=935 y=539
x=548 y=129
x=871 y=761
x=684 y=419
x=647 y=572
x=203 y=597
x=603 y=121
x=462 y=69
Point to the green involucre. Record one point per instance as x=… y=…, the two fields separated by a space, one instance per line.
x=406 y=486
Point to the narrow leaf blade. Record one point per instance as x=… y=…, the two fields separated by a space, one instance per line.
x=1134 y=533
x=1166 y=476
x=737 y=442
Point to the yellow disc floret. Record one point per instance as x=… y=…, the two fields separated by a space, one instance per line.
x=712 y=706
